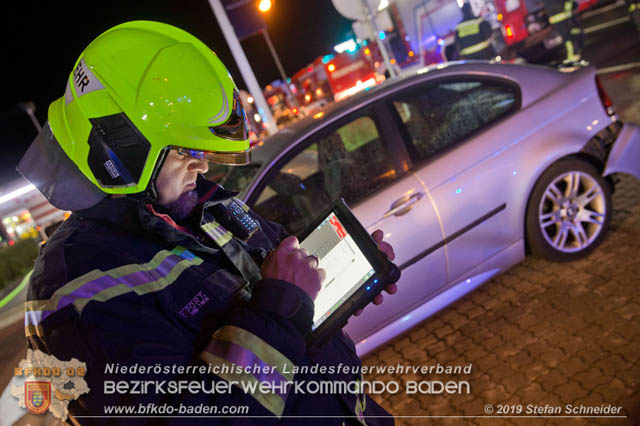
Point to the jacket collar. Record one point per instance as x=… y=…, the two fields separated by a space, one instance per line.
x=129 y=212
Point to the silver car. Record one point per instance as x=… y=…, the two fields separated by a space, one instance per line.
x=466 y=167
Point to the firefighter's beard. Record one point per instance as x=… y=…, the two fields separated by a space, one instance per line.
x=183 y=206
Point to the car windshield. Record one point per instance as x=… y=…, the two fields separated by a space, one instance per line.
x=233 y=178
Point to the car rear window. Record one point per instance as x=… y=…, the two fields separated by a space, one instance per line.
x=442 y=114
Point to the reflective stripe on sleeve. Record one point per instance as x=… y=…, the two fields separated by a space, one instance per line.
x=361 y=403
x=262 y=349
x=160 y=272
x=241 y=351
x=475 y=48
x=33 y=330
x=559 y=17
x=468 y=28
x=217 y=232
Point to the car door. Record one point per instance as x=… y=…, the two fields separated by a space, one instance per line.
x=460 y=152
x=358 y=158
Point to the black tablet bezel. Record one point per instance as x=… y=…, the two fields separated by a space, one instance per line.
x=385 y=271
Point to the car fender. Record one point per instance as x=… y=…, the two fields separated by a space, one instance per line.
x=625 y=154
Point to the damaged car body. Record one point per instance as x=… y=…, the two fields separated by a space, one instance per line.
x=467 y=167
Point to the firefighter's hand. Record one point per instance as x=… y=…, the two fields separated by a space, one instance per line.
x=386 y=248
x=289 y=262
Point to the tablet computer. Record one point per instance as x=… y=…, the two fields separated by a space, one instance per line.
x=356 y=269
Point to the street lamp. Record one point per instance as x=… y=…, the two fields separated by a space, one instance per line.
x=264 y=6
x=243 y=64
x=29 y=108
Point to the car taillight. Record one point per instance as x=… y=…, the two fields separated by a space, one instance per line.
x=509 y=31
x=604 y=98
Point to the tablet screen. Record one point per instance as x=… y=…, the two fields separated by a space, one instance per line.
x=347 y=267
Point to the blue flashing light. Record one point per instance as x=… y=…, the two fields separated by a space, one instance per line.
x=382 y=35
x=327 y=58
x=458 y=191
x=375 y=281
x=368 y=287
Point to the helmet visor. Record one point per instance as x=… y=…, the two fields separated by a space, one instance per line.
x=229 y=158
x=236 y=126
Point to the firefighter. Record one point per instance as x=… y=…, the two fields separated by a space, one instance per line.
x=633 y=8
x=564 y=20
x=152 y=270
x=473 y=36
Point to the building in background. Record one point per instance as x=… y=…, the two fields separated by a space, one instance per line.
x=25 y=213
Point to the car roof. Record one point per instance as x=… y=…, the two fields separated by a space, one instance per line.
x=273 y=146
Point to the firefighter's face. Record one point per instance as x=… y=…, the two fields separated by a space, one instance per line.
x=177 y=176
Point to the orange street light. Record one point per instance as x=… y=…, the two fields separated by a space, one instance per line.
x=264 y=6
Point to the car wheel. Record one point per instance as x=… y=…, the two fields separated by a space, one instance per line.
x=569 y=211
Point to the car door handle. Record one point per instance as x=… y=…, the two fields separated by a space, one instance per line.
x=403 y=204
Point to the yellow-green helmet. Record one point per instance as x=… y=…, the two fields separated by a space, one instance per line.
x=137 y=89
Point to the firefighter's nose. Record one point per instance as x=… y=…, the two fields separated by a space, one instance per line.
x=199 y=166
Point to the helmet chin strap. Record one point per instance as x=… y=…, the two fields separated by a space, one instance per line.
x=150 y=195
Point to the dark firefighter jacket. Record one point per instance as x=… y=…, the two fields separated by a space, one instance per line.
x=121 y=284
x=473 y=35
x=559 y=11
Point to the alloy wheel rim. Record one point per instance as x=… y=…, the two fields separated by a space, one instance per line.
x=572 y=212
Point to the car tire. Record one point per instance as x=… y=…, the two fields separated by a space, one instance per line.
x=568 y=212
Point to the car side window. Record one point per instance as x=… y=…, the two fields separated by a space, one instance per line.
x=444 y=113
x=350 y=162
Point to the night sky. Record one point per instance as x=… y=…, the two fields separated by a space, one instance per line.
x=43 y=39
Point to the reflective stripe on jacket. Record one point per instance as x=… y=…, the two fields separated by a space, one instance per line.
x=559 y=11
x=470 y=37
x=119 y=285
x=475 y=48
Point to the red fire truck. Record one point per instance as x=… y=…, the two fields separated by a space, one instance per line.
x=334 y=77
x=282 y=103
x=525 y=22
